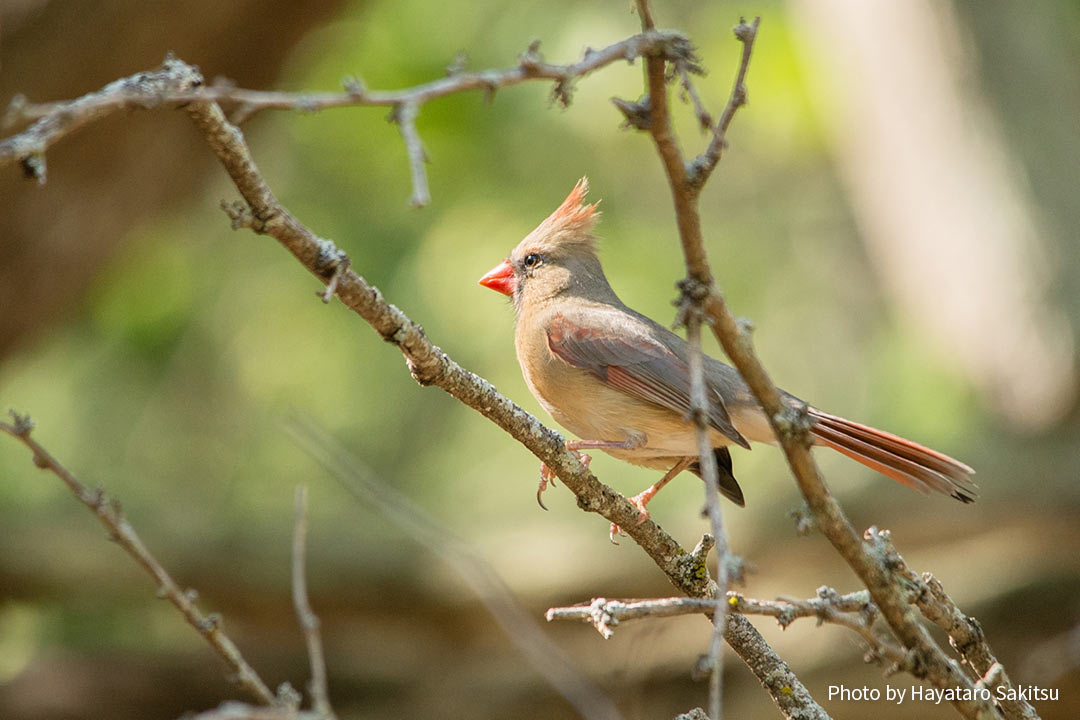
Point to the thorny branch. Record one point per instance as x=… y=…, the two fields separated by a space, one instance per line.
x=109 y=513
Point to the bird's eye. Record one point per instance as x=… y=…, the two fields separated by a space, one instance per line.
x=532 y=260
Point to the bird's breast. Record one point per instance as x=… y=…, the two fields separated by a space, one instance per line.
x=590 y=408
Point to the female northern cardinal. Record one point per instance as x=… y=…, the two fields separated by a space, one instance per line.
x=621 y=382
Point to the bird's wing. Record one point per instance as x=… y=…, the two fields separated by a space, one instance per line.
x=634 y=362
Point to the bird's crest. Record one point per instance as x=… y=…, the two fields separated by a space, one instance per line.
x=572 y=222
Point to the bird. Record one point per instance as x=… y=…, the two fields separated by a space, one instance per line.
x=621 y=381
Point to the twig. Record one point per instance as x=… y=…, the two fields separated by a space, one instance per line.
x=242 y=711
x=699 y=414
x=660 y=128
x=108 y=512
x=327 y=293
x=605 y=614
x=862 y=623
x=703 y=165
x=703 y=116
x=789 y=694
x=965 y=633
x=309 y=622
x=143 y=91
x=405 y=117
x=853 y=611
x=176 y=83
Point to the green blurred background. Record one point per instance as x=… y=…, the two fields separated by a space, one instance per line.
x=896 y=214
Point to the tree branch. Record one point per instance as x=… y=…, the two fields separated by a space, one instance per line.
x=174 y=83
x=108 y=512
x=829 y=606
x=789 y=694
x=965 y=632
x=243 y=711
x=309 y=622
x=699 y=414
x=605 y=614
x=703 y=165
x=140 y=91
x=428 y=364
x=925 y=659
x=853 y=611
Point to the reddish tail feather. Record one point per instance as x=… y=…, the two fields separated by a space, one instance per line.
x=902 y=460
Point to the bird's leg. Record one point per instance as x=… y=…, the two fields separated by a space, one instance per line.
x=642 y=498
x=547 y=475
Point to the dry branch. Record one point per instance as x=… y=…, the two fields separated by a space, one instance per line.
x=309 y=622
x=965 y=632
x=164 y=87
x=605 y=614
x=924 y=658
x=702 y=166
x=242 y=711
x=853 y=611
x=108 y=512
x=699 y=413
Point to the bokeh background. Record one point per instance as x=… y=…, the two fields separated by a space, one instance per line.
x=897 y=214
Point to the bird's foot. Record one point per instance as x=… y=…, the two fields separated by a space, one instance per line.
x=639 y=501
x=547 y=476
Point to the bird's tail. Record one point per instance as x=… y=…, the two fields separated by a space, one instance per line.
x=907 y=462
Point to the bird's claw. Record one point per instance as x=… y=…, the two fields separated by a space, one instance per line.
x=547 y=476
x=613 y=531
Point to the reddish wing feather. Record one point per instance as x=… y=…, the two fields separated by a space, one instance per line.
x=908 y=462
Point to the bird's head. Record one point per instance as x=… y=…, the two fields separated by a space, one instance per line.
x=557 y=258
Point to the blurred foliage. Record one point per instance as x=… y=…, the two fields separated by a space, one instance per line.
x=171 y=382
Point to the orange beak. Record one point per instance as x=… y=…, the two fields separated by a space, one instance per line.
x=500 y=278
